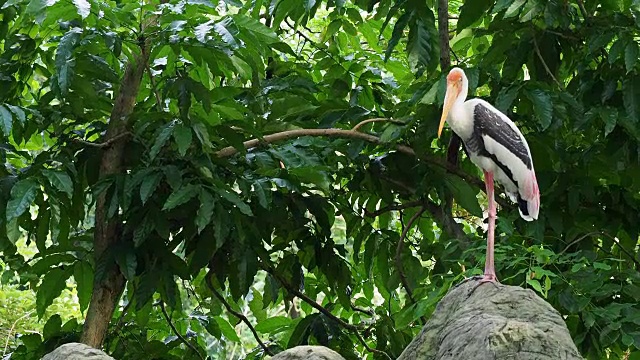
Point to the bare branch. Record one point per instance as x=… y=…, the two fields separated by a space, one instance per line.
x=443 y=30
x=398 y=258
x=239 y=315
x=367 y=121
x=544 y=63
x=177 y=333
x=104 y=144
x=289 y=134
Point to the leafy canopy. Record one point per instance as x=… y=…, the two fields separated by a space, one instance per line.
x=304 y=235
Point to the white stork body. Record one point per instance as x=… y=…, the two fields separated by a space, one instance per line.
x=494 y=143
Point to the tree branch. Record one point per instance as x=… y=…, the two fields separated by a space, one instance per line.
x=544 y=63
x=289 y=134
x=364 y=122
x=104 y=144
x=398 y=257
x=177 y=333
x=239 y=315
x=443 y=31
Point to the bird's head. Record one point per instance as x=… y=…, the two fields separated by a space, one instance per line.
x=455 y=84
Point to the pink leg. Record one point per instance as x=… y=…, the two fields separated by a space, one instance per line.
x=489 y=270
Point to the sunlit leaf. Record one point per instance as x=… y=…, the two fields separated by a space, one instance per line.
x=22 y=195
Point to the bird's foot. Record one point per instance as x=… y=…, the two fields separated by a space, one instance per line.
x=492 y=278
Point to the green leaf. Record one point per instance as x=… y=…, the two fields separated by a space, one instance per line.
x=274 y=325
x=616 y=49
x=149 y=185
x=180 y=196
x=83 y=275
x=535 y=284
x=51 y=287
x=23 y=194
x=514 y=8
x=505 y=98
x=631 y=97
x=60 y=180
x=161 y=139
x=397 y=34
x=18 y=112
x=472 y=11
x=419 y=44
x=601 y=266
x=630 y=56
x=501 y=5
x=6 y=121
x=542 y=106
x=52 y=327
x=233 y=198
x=205 y=212
x=142 y=231
x=258 y=29
x=183 y=136
x=226 y=329
x=224 y=29
x=464 y=194
x=64 y=59
x=127 y=261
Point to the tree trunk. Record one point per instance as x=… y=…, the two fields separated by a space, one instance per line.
x=107 y=291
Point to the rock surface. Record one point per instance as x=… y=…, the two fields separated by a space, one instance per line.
x=308 y=353
x=76 y=351
x=492 y=321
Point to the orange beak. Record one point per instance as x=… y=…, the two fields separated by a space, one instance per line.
x=453 y=89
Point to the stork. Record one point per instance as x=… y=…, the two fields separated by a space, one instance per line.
x=492 y=142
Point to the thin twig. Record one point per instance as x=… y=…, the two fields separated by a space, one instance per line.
x=13 y=326
x=364 y=122
x=370 y=349
x=544 y=63
x=624 y=250
x=239 y=315
x=177 y=333
x=398 y=257
x=311 y=302
x=104 y=144
x=577 y=241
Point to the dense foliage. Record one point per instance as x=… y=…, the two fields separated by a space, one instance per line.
x=335 y=230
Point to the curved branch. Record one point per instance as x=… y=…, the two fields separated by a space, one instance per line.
x=367 y=121
x=544 y=63
x=177 y=333
x=290 y=134
x=240 y=316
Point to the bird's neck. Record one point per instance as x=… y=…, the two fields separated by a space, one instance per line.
x=460 y=121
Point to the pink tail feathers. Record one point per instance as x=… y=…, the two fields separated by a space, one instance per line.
x=531 y=195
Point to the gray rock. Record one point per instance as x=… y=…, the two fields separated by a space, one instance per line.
x=308 y=353
x=76 y=351
x=492 y=321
